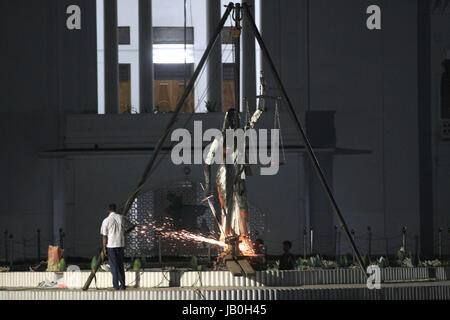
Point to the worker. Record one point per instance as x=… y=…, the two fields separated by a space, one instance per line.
x=113 y=231
x=258 y=246
x=287 y=260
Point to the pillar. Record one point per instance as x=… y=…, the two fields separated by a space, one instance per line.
x=146 y=69
x=111 y=57
x=215 y=69
x=249 y=59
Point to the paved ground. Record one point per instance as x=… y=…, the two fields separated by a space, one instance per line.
x=397 y=284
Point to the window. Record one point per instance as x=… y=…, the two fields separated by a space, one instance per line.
x=228 y=86
x=124 y=35
x=172 y=35
x=173 y=53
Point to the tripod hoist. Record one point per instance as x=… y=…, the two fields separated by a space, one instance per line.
x=239 y=264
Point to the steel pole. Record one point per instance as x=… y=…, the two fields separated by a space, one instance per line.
x=237 y=56
x=6 y=246
x=39 y=244
x=305 y=139
x=304 y=244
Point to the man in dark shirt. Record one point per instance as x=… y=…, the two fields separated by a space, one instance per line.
x=287 y=260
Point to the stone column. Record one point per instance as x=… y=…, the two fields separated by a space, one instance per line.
x=111 y=57
x=215 y=68
x=249 y=59
x=146 y=69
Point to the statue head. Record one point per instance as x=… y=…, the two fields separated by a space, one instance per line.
x=232 y=120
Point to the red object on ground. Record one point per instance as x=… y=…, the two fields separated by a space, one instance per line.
x=54 y=256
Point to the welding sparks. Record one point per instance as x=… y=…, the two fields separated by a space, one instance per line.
x=164 y=228
x=246 y=247
x=186 y=235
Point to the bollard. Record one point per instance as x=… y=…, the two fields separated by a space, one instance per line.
x=448 y=232
x=312 y=241
x=61 y=238
x=24 y=244
x=11 y=253
x=39 y=244
x=369 y=250
x=338 y=245
x=336 y=230
x=440 y=242
x=404 y=238
x=6 y=246
x=304 y=244
x=416 y=248
x=159 y=250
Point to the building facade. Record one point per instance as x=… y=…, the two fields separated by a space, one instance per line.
x=64 y=160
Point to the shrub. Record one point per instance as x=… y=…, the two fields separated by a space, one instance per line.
x=93 y=262
x=62 y=265
x=194 y=263
x=301 y=263
x=382 y=263
x=365 y=259
x=143 y=260
x=137 y=266
x=343 y=262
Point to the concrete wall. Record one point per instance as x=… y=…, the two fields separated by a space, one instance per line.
x=48 y=71
x=440 y=50
x=370 y=79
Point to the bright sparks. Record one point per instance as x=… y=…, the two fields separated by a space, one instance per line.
x=151 y=229
x=186 y=235
x=246 y=247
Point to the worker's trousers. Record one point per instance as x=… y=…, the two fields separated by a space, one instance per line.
x=115 y=256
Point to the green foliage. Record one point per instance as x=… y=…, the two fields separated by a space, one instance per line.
x=401 y=255
x=404 y=258
x=343 y=262
x=276 y=266
x=194 y=263
x=4 y=269
x=365 y=259
x=137 y=266
x=382 y=263
x=407 y=263
x=62 y=265
x=202 y=261
x=143 y=260
x=301 y=263
x=329 y=264
x=316 y=262
x=431 y=263
x=93 y=262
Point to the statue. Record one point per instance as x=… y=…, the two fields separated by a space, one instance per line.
x=234 y=221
